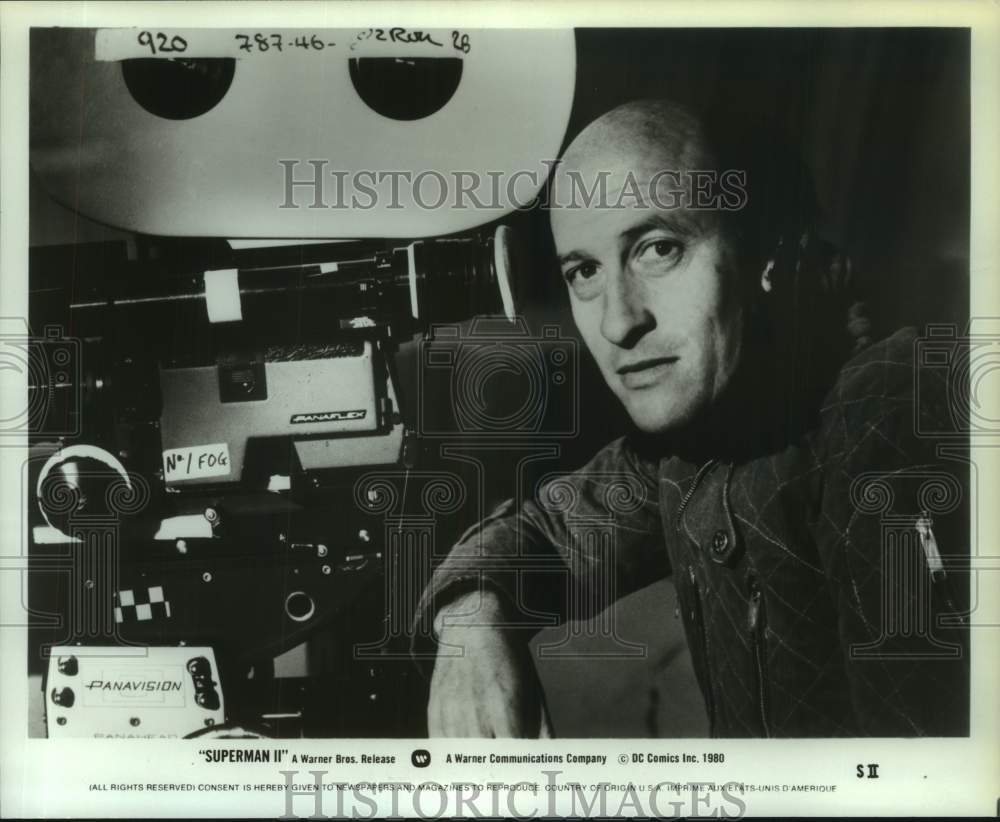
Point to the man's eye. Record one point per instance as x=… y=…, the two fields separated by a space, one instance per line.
x=583 y=271
x=586 y=280
x=659 y=250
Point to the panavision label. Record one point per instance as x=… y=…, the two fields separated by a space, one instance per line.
x=329 y=416
x=134 y=685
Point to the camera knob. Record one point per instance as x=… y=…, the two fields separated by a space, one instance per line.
x=68 y=665
x=64 y=697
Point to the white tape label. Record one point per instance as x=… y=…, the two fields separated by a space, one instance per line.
x=196 y=462
x=128 y=43
x=222 y=295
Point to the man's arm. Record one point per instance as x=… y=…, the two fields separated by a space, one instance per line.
x=584 y=539
x=492 y=689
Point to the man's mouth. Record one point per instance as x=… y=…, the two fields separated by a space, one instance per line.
x=642 y=373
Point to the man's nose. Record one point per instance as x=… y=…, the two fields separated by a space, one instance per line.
x=626 y=317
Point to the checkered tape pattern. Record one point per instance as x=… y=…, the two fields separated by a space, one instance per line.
x=141 y=604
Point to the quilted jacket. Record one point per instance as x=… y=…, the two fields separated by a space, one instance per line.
x=818 y=565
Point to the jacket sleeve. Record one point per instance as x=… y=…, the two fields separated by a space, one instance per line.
x=894 y=540
x=581 y=541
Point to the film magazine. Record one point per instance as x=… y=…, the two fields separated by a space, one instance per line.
x=538 y=411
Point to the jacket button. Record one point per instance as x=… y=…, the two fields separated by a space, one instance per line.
x=720 y=542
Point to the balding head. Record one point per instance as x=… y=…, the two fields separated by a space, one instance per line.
x=640 y=129
x=640 y=154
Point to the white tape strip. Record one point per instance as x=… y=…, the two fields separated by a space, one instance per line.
x=111 y=45
x=47 y=535
x=929 y=544
x=501 y=265
x=411 y=264
x=238 y=245
x=222 y=295
x=278 y=483
x=184 y=525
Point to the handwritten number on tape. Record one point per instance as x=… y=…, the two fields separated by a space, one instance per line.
x=159 y=43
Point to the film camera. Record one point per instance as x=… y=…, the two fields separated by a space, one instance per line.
x=216 y=430
x=209 y=496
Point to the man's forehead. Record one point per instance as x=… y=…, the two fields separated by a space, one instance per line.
x=635 y=166
x=635 y=131
x=639 y=158
x=621 y=191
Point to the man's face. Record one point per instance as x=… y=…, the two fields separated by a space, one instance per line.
x=655 y=301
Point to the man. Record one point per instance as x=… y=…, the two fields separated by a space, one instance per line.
x=764 y=422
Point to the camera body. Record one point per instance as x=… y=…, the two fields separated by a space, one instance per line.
x=499 y=381
x=221 y=436
x=333 y=403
